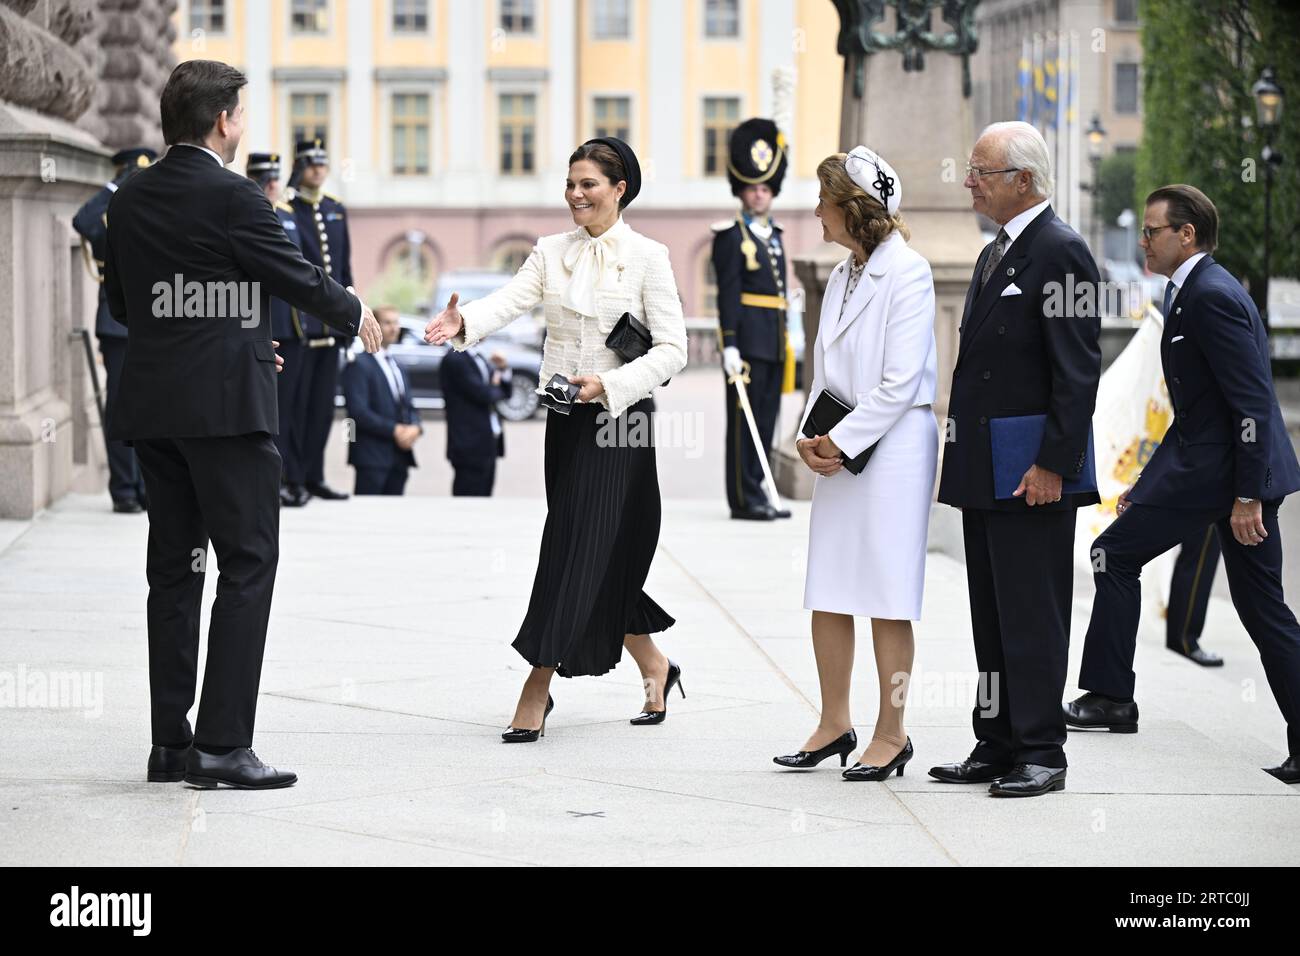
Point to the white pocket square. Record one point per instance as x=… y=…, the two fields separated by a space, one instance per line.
x=1012 y=289
x=1176 y=338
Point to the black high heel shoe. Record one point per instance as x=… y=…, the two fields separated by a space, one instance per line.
x=807 y=759
x=659 y=716
x=863 y=772
x=512 y=736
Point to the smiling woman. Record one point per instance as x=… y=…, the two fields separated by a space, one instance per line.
x=602 y=524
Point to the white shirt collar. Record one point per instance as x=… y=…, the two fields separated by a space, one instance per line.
x=1182 y=272
x=1016 y=225
x=210 y=152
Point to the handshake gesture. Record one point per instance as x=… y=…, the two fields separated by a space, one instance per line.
x=445 y=324
x=368 y=331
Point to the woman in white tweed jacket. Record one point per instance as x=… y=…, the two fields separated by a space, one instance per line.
x=603 y=508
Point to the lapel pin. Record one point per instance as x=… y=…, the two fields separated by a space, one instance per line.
x=1011 y=271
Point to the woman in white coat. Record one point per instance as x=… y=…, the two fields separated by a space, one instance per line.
x=874 y=352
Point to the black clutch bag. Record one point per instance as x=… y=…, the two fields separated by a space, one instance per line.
x=560 y=394
x=827 y=412
x=629 y=339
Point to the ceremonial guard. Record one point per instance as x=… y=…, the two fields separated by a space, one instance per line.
x=749 y=261
x=125 y=483
x=264 y=169
x=323 y=236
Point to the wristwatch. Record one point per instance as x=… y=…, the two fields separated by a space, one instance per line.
x=1246 y=501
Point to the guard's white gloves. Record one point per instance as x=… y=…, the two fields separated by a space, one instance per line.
x=731 y=362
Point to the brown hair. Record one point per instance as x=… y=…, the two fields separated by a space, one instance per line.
x=1187 y=205
x=867 y=222
x=196 y=93
x=607 y=161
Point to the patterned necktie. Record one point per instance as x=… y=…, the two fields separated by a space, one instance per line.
x=999 y=247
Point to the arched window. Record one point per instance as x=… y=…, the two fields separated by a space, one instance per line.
x=509 y=254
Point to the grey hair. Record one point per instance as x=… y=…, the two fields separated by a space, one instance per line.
x=1025 y=149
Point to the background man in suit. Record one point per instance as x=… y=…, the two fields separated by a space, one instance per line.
x=749 y=262
x=194 y=252
x=125 y=485
x=1019 y=356
x=1226 y=460
x=471 y=386
x=1189 y=596
x=379 y=401
x=323 y=235
x=264 y=169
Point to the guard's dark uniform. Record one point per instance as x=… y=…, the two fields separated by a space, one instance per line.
x=751 y=281
x=323 y=235
x=285 y=329
x=125 y=483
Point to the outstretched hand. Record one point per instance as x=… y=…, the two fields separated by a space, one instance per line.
x=445 y=324
x=372 y=337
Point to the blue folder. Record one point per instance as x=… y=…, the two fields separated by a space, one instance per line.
x=1015 y=443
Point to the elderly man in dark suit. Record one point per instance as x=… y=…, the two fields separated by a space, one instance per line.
x=1226 y=460
x=378 y=396
x=1029 y=346
x=194 y=254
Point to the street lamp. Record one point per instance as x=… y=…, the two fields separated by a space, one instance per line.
x=1096 y=140
x=1268 y=108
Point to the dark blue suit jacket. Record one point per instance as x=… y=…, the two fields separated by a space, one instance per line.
x=1228 y=438
x=470 y=401
x=376 y=413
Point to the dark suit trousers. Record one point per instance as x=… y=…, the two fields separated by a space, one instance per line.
x=1189 y=588
x=743 y=468
x=225 y=489
x=1020 y=572
x=381 y=481
x=1254 y=578
x=288 y=389
x=474 y=476
x=316 y=414
x=124 y=481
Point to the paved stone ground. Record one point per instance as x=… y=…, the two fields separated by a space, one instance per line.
x=389 y=676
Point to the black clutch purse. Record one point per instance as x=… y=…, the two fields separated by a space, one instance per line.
x=629 y=339
x=827 y=412
x=560 y=394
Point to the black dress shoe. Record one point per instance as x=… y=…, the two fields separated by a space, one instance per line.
x=1288 y=771
x=322 y=490
x=843 y=745
x=659 y=716
x=780 y=512
x=294 y=496
x=764 y=513
x=1197 y=655
x=866 y=772
x=1029 y=780
x=167 y=764
x=241 y=769
x=127 y=506
x=1096 y=710
x=969 y=771
x=513 y=736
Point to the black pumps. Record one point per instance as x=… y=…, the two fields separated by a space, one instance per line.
x=807 y=759
x=513 y=736
x=863 y=772
x=659 y=716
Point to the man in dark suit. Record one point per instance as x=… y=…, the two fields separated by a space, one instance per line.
x=1189 y=596
x=471 y=387
x=323 y=235
x=1226 y=460
x=386 y=423
x=1028 y=346
x=749 y=264
x=125 y=485
x=194 y=253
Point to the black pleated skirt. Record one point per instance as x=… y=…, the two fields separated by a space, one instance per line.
x=602 y=527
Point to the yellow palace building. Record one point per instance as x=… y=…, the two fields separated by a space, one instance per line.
x=449 y=122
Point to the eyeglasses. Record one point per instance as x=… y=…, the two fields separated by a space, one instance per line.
x=981 y=173
x=1149 y=231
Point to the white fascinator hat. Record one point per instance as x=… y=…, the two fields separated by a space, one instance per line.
x=875 y=177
